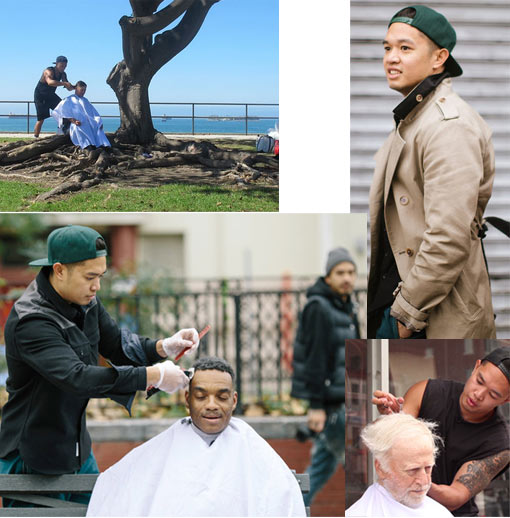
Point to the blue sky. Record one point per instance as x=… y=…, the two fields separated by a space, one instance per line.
x=233 y=58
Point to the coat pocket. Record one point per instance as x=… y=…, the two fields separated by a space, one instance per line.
x=464 y=298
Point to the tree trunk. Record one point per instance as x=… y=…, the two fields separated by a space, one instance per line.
x=131 y=77
x=132 y=91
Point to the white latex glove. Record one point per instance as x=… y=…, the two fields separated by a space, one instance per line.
x=171 y=377
x=185 y=338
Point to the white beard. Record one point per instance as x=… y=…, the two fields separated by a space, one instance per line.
x=405 y=497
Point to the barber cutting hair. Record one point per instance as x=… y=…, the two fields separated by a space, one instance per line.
x=45 y=98
x=54 y=335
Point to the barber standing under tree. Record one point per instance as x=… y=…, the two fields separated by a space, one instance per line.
x=328 y=319
x=53 y=335
x=45 y=98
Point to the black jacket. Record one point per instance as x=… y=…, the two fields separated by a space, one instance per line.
x=52 y=354
x=319 y=349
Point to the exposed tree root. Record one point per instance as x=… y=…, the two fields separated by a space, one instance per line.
x=66 y=168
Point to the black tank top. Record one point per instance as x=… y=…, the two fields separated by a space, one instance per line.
x=44 y=89
x=463 y=441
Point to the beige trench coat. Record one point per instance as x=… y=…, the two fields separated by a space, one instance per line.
x=432 y=181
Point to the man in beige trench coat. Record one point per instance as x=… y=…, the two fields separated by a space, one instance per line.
x=432 y=181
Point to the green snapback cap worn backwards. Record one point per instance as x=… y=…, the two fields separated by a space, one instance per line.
x=71 y=244
x=437 y=28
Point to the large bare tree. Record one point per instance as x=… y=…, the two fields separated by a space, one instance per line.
x=144 y=55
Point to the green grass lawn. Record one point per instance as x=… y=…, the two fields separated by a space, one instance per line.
x=11 y=139
x=14 y=196
x=18 y=196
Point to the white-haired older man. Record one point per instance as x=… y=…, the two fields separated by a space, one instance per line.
x=404 y=449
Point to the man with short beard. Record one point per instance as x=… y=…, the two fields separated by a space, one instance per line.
x=404 y=449
x=327 y=320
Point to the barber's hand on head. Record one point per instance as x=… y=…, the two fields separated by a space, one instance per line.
x=184 y=339
x=316 y=419
x=171 y=377
x=387 y=403
x=403 y=332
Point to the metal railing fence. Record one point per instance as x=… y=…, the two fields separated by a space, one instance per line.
x=192 y=115
x=252 y=330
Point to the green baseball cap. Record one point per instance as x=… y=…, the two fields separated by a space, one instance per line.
x=437 y=28
x=71 y=244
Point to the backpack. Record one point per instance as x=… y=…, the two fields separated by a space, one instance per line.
x=265 y=144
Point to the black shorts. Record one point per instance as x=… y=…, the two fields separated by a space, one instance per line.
x=43 y=104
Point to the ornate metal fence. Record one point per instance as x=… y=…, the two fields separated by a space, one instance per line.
x=252 y=330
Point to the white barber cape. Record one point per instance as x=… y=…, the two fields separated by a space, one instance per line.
x=89 y=133
x=376 y=501
x=177 y=474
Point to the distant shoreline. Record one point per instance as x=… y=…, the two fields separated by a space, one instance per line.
x=210 y=125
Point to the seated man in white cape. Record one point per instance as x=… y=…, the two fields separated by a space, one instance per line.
x=76 y=115
x=404 y=449
x=210 y=464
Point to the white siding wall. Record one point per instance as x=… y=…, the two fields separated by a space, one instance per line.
x=215 y=245
x=483 y=51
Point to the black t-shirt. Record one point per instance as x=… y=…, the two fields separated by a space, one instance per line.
x=463 y=441
x=43 y=89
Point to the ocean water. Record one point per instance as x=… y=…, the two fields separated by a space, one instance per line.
x=170 y=125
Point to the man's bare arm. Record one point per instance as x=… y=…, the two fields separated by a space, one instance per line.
x=413 y=398
x=51 y=81
x=473 y=476
x=66 y=82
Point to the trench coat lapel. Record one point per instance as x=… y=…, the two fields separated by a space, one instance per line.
x=396 y=148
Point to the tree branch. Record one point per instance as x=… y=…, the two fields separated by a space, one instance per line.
x=170 y=43
x=144 y=7
x=150 y=24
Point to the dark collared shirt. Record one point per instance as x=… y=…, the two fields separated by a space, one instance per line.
x=52 y=350
x=417 y=95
